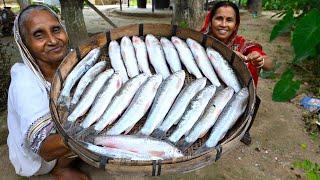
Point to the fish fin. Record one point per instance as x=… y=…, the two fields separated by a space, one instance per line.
x=157 y=153
x=202 y=149
x=158 y=134
x=73 y=129
x=89 y=139
x=184 y=145
x=219 y=88
x=67 y=125
x=64 y=101
x=83 y=133
x=141 y=134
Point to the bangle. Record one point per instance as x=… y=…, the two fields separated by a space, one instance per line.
x=261 y=64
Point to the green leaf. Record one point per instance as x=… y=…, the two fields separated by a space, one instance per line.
x=183 y=24
x=270 y=74
x=312 y=176
x=283 y=25
x=305 y=37
x=286 y=88
x=303 y=146
x=287 y=75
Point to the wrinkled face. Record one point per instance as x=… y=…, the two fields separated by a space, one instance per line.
x=45 y=38
x=223 y=23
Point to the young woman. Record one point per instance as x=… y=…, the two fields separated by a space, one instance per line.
x=223 y=22
x=34 y=146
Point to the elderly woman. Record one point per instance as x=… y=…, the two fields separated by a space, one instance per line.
x=34 y=147
x=223 y=22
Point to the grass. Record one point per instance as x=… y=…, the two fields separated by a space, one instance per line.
x=311 y=169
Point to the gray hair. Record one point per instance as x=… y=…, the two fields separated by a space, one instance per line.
x=24 y=15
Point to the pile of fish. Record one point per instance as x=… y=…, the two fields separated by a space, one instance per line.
x=104 y=104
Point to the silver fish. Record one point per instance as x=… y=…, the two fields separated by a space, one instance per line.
x=141 y=54
x=193 y=112
x=142 y=145
x=89 y=95
x=186 y=56
x=117 y=153
x=164 y=99
x=116 y=60
x=129 y=57
x=227 y=119
x=201 y=57
x=82 y=67
x=179 y=106
x=138 y=107
x=223 y=69
x=86 y=79
x=171 y=54
x=156 y=56
x=209 y=117
x=121 y=100
x=102 y=100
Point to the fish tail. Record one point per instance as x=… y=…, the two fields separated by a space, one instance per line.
x=202 y=149
x=83 y=133
x=184 y=145
x=140 y=134
x=158 y=134
x=64 y=101
x=67 y=125
x=73 y=129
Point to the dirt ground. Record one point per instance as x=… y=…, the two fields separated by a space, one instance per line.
x=278 y=134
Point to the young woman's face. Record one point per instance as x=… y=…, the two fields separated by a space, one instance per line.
x=223 y=23
x=45 y=38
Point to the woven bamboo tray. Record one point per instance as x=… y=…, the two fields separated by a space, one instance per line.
x=154 y=168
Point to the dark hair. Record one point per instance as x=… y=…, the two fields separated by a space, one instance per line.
x=219 y=4
x=24 y=15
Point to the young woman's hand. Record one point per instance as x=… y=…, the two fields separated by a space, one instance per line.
x=258 y=60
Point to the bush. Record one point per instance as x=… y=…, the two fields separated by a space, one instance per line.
x=5 y=65
x=301 y=19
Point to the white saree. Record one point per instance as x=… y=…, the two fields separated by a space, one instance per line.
x=29 y=118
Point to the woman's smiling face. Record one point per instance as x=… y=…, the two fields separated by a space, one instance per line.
x=223 y=23
x=45 y=38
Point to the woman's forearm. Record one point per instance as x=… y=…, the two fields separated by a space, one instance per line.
x=53 y=147
x=268 y=65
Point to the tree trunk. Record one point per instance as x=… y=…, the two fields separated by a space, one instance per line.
x=188 y=12
x=254 y=6
x=23 y=3
x=71 y=11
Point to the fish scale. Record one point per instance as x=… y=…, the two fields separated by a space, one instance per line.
x=116 y=60
x=208 y=118
x=202 y=60
x=129 y=57
x=138 y=107
x=179 y=106
x=121 y=100
x=227 y=119
x=193 y=112
x=102 y=100
x=82 y=67
x=86 y=79
x=164 y=99
x=223 y=69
